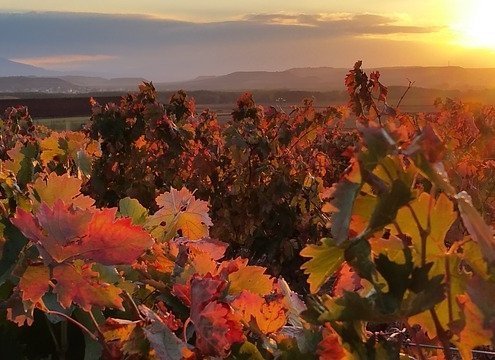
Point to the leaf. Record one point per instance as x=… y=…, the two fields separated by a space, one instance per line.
x=269 y=316
x=448 y=310
x=78 y=283
x=204 y=290
x=133 y=209
x=53 y=229
x=180 y=211
x=63 y=188
x=217 y=329
x=252 y=278
x=34 y=283
x=63 y=233
x=342 y=203
x=330 y=348
x=215 y=248
x=116 y=333
x=325 y=261
x=389 y=204
x=346 y=280
x=248 y=351
x=50 y=147
x=442 y=216
x=11 y=249
x=111 y=241
x=166 y=344
x=476 y=226
x=473 y=333
x=293 y=303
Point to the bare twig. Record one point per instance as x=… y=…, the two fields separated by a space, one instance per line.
x=480 y=352
x=411 y=83
x=75 y=322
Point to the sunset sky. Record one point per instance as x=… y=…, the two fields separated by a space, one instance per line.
x=175 y=40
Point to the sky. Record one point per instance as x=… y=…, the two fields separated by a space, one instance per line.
x=164 y=40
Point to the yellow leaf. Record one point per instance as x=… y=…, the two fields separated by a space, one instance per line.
x=473 y=333
x=180 y=211
x=50 y=148
x=325 y=260
x=62 y=187
x=442 y=216
x=252 y=278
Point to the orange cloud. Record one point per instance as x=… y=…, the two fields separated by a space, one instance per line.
x=70 y=59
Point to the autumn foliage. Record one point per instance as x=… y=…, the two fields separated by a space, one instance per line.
x=358 y=232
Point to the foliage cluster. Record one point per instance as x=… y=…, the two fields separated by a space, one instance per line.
x=106 y=250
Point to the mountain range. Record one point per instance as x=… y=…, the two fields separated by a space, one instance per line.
x=328 y=79
x=17 y=77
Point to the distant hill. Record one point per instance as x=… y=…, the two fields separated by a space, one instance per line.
x=12 y=68
x=66 y=84
x=328 y=79
x=99 y=83
x=321 y=79
x=14 y=84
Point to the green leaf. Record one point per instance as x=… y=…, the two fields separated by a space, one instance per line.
x=14 y=243
x=325 y=261
x=358 y=256
x=378 y=143
x=248 y=351
x=133 y=209
x=477 y=227
x=389 y=204
x=165 y=343
x=83 y=162
x=343 y=201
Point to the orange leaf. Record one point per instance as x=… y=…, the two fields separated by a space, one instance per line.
x=79 y=284
x=473 y=333
x=34 y=283
x=269 y=317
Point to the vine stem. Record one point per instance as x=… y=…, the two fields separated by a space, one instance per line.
x=184 y=329
x=418 y=348
x=135 y=309
x=101 y=336
x=58 y=349
x=75 y=322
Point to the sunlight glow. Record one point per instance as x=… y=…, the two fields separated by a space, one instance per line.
x=477 y=28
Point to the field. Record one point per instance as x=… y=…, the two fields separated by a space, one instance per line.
x=251 y=232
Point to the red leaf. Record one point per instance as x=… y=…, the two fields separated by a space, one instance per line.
x=217 y=329
x=330 y=348
x=63 y=233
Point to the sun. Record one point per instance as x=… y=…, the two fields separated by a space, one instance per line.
x=477 y=26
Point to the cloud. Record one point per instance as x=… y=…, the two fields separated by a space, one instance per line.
x=354 y=24
x=70 y=59
x=167 y=49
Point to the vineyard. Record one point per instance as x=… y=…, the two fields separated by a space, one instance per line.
x=160 y=233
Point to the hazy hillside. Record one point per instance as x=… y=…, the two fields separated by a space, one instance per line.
x=328 y=79
x=298 y=79
x=12 y=68
x=33 y=84
x=97 y=83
